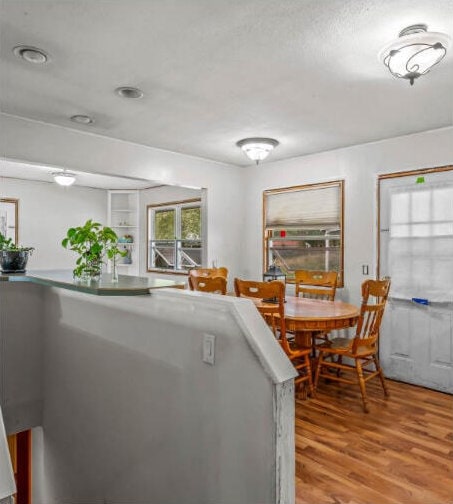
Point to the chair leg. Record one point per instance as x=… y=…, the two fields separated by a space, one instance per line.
x=318 y=368
x=339 y=361
x=303 y=367
x=310 y=376
x=362 y=386
x=300 y=390
x=274 y=326
x=381 y=375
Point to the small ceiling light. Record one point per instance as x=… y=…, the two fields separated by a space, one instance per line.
x=82 y=119
x=31 y=54
x=129 y=92
x=415 y=52
x=257 y=149
x=64 y=178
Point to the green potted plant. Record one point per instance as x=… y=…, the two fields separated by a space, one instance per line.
x=13 y=258
x=93 y=242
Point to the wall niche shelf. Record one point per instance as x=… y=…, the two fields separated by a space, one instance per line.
x=123 y=216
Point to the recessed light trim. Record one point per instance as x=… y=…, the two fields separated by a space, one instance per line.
x=82 y=119
x=129 y=92
x=31 y=54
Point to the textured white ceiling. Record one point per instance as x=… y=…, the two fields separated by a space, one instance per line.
x=214 y=71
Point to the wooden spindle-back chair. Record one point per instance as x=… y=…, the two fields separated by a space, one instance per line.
x=274 y=314
x=316 y=285
x=215 y=284
x=207 y=272
x=362 y=349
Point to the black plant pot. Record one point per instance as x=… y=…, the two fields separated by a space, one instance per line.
x=14 y=261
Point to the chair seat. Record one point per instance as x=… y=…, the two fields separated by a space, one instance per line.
x=297 y=351
x=344 y=346
x=341 y=343
x=336 y=345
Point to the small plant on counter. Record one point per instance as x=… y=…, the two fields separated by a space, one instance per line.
x=13 y=258
x=93 y=242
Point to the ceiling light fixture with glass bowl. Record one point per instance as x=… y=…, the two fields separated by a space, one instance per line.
x=64 y=178
x=414 y=52
x=257 y=149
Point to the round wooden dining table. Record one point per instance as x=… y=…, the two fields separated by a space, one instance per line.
x=306 y=317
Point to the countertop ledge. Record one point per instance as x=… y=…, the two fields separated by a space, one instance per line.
x=126 y=285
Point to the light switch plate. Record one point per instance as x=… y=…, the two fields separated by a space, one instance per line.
x=208 y=348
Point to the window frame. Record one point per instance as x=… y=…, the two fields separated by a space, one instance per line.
x=177 y=206
x=305 y=187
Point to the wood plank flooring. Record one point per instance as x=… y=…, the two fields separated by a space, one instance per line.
x=399 y=453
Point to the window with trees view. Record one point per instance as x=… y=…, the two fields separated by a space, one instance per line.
x=303 y=228
x=175 y=240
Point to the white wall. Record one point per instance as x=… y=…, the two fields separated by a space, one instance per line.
x=234 y=195
x=46 y=211
x=36 y=142
x=131 y=413
x=21 y=355
x=359 y=167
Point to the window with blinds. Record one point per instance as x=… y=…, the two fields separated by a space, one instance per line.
x=303 y=228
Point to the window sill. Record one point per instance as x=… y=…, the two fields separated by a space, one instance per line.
x=167 y=272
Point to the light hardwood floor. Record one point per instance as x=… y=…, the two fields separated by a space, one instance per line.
x=399 y=453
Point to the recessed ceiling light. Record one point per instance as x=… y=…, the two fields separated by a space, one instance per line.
x=129 y=92
x=82 y=119
x=31 y=54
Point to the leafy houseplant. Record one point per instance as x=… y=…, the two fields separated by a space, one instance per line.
x=93 y=242
x=13 y=258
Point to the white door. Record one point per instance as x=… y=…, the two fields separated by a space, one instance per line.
x=416 y=251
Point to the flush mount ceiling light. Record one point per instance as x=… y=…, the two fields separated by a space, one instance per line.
x=82 y=119
x=129 y=92
x=64 y=178
x=31 y=54
x=257 y=149
x=415 y=52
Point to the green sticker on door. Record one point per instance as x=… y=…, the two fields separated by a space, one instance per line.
x=420 y=180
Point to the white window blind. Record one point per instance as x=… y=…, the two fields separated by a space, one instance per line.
x=311 y=208
x=303 y=228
